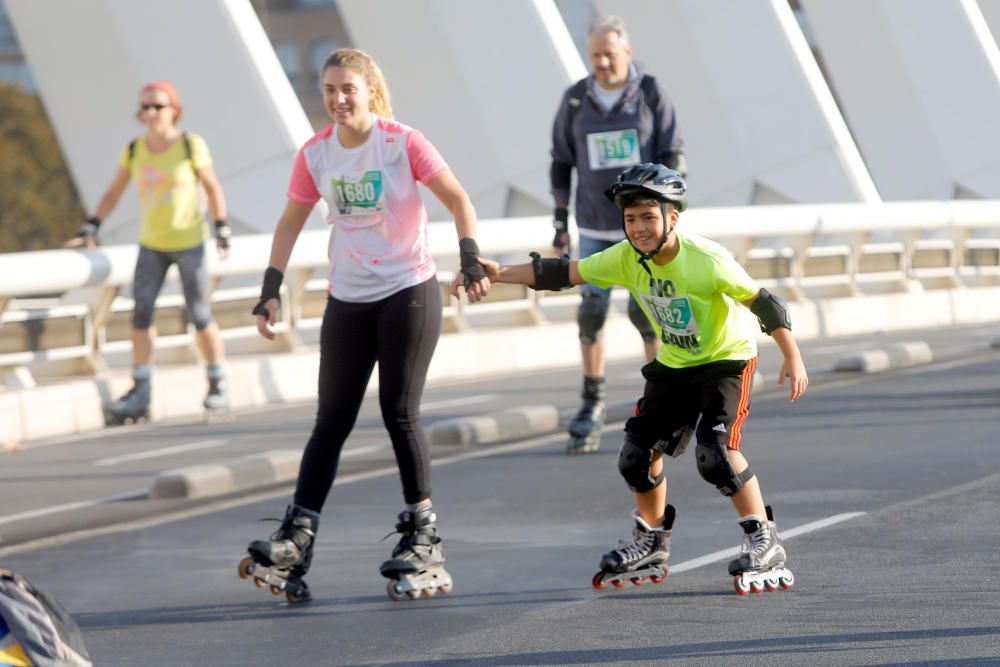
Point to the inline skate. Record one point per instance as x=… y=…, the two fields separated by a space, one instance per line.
x=645 y=558
x=216 y=402
x=417 y=564
x=131 y=408
x=761 y=563
x=585 y=427
x=282 y=561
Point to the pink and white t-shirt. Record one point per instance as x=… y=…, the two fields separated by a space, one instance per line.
x=378 y=240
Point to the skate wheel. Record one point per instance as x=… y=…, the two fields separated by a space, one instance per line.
x=259 y=583
x=246 y=568
x=655 y=579
x=638 y=581
x=429 y=592
x=618 y=583
x=445 y=588
x=741 y=586
x=275 y=590
x=393 y=590
x=770 y=586
x=295 y=599
x=598 y=581
x=786 y=581
x=413 y=595
x=756 y=587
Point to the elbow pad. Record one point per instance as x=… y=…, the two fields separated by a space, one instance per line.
x=771 y=311
x=550 y=273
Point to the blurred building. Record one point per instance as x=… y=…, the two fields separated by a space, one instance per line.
x=303 y=33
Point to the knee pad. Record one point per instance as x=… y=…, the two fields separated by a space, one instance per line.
x=633 y=464
x=591 y=314
x=714 y=467
x=640 y=321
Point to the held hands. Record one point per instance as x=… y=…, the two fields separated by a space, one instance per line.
x=795 y=371
x=475 y=280
x=491 y=271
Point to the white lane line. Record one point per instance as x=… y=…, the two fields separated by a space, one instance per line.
x=468 y=400
x=127 y=495
x=716 y=556
x=156 y=453
x=358 y=451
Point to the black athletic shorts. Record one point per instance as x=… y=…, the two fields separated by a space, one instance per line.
x=711 y=400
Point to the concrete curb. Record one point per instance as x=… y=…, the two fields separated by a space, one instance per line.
x=278 y=466
x=505 y=425
x=899 y=355
x=218 y=478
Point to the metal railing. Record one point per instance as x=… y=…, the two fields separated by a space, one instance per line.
x=67 y=311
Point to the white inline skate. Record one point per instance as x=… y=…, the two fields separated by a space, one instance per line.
x=761 y=565
x=645 y=558
x=417 y=564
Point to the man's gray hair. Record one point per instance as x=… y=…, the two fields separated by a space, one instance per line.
x=615 y=24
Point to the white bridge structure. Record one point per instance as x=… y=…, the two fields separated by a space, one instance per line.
x=863 y=186
x=844 y=268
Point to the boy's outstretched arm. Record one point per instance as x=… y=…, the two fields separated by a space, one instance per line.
x=773 y=315
x=520 y=274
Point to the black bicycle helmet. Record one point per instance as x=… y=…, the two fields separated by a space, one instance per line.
x=658 y=182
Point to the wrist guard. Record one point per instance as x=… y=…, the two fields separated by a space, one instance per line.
x=89 y=228
x=551 y=273
x=269 y=290
x=468 y=254
x=223 y=232
x=560 y=219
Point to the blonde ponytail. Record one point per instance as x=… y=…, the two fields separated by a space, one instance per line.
x=364 y=65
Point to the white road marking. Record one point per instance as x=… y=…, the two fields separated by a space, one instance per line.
x=128 y=495
x=468 y=400
x=724 y=554
x=156 y=453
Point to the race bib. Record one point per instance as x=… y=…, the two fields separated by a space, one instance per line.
x=677 y=323
x=609 y=150
x=359 y=195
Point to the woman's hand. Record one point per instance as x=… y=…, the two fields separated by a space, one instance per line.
x=264 y=324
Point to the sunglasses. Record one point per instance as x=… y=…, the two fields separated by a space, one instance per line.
x=147 y=107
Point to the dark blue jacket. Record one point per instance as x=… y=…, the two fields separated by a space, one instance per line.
x=600 y=144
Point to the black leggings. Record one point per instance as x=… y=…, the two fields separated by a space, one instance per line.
x=400 y=332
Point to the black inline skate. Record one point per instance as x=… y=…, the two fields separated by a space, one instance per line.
x=645 y=558
x=417 y=563
x=284 y=559
x=131 y=408
x=761 y=565
x=585 y=427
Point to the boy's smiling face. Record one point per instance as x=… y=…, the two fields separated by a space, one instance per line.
x=644 y=225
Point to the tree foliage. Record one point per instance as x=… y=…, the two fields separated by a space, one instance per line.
x=39 y=206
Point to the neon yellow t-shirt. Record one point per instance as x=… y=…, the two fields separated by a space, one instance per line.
x=168 y=193
x=691 y=301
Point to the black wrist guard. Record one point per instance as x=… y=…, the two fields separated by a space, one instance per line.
x=269 y=290
x=550 y=273
x=222 y=233
x=560 y=219
x=771 y=311
x=89 y=228
x=468 y=254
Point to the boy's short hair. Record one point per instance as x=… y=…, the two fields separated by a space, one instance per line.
x=632 y=200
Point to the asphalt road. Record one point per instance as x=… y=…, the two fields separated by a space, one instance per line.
x=886 y=488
